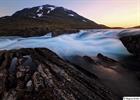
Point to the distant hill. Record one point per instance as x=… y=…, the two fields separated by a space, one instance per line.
x=136 y=26
x=117 y=28
x=43 y=19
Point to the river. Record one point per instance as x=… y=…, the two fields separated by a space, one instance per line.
x=85 y=42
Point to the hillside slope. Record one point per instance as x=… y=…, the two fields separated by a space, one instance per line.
x=43 y=19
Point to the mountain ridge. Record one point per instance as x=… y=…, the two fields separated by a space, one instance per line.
x=40 y=20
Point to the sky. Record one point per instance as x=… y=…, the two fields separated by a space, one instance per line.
x=113 y=13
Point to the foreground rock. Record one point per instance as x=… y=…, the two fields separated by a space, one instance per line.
x=116 y=75
x=39 y=74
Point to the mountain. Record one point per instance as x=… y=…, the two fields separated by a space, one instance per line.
x=43 y=19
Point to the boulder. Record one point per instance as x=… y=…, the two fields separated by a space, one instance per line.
x=132 y=43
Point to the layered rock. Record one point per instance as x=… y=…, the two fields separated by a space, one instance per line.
x=119 y=76
x=39 y=74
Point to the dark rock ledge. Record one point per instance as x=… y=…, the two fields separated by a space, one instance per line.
x=132 y=43
x=39 y=74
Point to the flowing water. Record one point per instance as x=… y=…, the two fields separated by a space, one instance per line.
x=89 y=43
x=86 y=42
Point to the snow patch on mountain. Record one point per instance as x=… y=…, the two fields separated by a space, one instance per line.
x=71 y=15
x=51 y=8
x=84 y=20
x=40 y=14
x=39 y=9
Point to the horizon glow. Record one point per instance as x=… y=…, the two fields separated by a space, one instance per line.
x=113 y=13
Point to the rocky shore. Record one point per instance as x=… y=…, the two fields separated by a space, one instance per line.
x=39 y=74
x=122 y=77
x=132 y=43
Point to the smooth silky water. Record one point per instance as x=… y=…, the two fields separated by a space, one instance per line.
x=86 y=42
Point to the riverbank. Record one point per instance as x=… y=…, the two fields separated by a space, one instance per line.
x=40 y=74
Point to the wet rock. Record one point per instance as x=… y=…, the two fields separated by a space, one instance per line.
x=109 y=71
x=10 y=95
x=132 y=43
x=106 y=59
x=3 y=75
x=101 y=60
x=38 y=81
x=39 y=74
x=29 y=85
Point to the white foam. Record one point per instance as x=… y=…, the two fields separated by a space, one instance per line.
x=89 y=42
x=129 y=32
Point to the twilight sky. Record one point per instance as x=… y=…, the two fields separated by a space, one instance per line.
x=123 y=13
